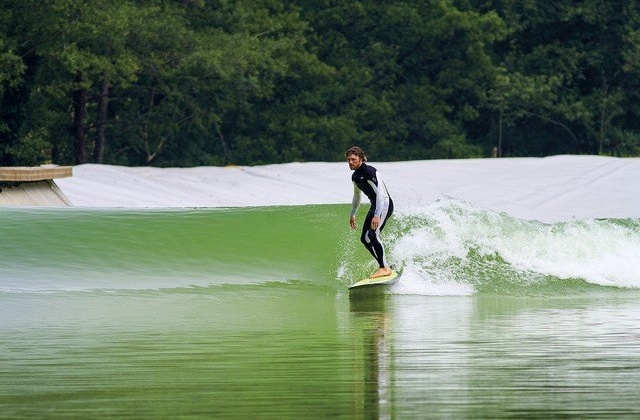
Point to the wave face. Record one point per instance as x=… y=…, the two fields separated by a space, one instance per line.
x=443 y=248
x=450 y=247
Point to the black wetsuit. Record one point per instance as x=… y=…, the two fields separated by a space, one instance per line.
x=367 y=179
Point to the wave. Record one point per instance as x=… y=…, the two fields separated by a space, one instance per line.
x=450 y=247
x=442 y=248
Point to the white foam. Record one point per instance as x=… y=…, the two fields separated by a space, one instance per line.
x=447 y=246
x=415 y=281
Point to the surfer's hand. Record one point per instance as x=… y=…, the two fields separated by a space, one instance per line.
x=352 y=222
x=375 y=222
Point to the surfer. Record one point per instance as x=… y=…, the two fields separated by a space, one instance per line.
x=366 y=179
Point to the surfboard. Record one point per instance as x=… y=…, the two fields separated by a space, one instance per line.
x=378 y=281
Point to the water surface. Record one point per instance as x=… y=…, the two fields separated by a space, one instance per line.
x=245 y=312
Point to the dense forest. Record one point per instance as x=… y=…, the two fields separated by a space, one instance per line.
x=216 y=82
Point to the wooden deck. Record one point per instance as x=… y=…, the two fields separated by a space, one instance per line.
x=33 y=186
x=34 y=173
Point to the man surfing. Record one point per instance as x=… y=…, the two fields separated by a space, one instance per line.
x=366 y=179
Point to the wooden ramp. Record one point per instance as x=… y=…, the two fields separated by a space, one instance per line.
x=32 y=186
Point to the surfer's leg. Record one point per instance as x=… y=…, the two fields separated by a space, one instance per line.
x=371 y=241
x=376 y=246
x=369 y=238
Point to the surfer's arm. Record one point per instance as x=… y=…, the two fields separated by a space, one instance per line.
x=355 y=203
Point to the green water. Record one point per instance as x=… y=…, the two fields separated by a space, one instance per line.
x=204 y=313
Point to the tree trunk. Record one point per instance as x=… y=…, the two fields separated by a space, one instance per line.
x=223 y=142
x=603 y=115
x=499 y=151
x=103 y=108
x=79 y=115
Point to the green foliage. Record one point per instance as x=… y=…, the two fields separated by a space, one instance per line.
x=624 y=143
x=584 y=55
x=184 y=83
x=33 y=149
x=11 y=67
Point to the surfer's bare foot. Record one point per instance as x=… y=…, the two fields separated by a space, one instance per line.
x=384 y=271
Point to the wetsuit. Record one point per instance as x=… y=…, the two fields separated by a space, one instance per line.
x=367 y=179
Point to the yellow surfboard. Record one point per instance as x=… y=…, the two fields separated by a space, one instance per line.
x=378 y=281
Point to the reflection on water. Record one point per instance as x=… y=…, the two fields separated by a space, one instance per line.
x=373 y=357
x=297 y=351
x=494 y=357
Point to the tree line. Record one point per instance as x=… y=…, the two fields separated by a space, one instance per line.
x=216 y=82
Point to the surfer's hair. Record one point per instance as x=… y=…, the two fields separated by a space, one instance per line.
x=355 y=150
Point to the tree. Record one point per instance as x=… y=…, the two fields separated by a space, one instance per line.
x=12 y=70
x=412 y=74
x=584 y=56
x=183 y=83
